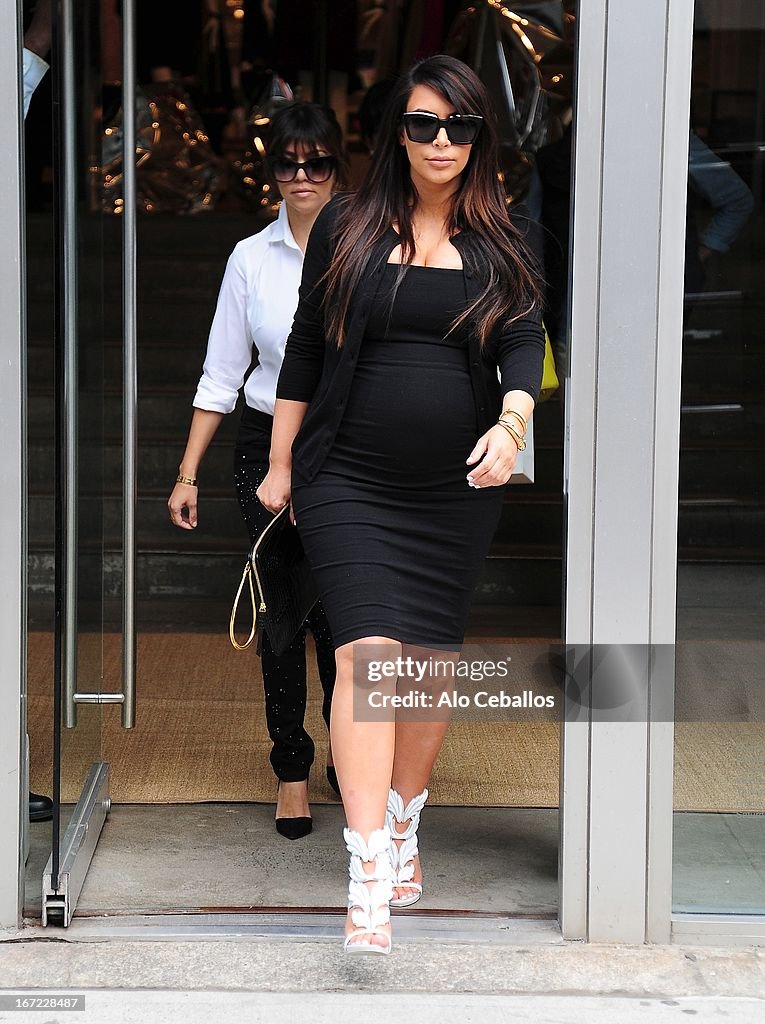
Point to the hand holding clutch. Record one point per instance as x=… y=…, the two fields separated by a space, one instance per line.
x=286 y=591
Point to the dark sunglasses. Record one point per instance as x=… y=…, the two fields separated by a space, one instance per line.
x=318 y=169
x=462 y=129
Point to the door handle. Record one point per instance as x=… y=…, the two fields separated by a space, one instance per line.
x=126 y=695
x=67 y=370
x=129 y=365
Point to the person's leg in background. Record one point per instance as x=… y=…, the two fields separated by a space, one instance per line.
x=326 y=663
x=284 y=676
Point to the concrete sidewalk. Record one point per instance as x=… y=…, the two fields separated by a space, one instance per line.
x=202 y=981
x=122 y=1007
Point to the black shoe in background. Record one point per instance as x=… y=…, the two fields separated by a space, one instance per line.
x=40 y=807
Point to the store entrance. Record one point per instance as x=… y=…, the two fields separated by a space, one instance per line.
x=145 y=726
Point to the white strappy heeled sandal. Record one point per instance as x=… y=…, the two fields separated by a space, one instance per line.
x=369 y=905
x=403 y=856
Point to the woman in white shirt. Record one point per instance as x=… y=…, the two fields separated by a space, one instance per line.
x=255 y=308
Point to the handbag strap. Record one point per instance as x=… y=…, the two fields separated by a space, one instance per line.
x=246 y=576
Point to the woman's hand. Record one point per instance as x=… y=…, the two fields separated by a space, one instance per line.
x=274 y=492
x=183 y=496
x=499 y=453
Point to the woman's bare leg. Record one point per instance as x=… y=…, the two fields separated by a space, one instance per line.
x=418 y=743
x=362 y=751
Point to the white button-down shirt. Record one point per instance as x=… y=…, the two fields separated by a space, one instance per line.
x=256 y=305
x=34 y=69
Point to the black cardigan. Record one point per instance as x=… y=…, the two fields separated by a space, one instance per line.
x=316 y=371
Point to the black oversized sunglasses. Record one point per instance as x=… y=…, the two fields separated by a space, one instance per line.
x=462 y=129
x=318 y=169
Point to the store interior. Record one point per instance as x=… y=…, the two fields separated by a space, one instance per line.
x=190 y=827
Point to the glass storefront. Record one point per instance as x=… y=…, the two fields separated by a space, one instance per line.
x=719 y=795
x=194 y=756
x=145 y=725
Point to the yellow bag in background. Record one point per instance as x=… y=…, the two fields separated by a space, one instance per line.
x=550 y=382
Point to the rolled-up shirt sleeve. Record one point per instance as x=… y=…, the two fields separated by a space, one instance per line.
x=520 y=355
x=34 y=70
x=304 y=352
x=230 y=344
x=728 y=195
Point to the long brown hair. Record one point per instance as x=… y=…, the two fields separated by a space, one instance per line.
x=388 y=196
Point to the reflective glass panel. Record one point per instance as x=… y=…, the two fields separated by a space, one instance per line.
x=719 y=797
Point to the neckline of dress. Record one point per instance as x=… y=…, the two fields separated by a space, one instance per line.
x=422 y=266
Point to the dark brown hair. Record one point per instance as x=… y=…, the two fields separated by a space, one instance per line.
x=388 y=196
x=309 y=125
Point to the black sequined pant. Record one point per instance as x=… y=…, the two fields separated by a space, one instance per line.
x=284 y=677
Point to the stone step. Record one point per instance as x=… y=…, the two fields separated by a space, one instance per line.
x=170 y=588
x=534 y=579
x=715 y=460
x=721 y=468
x=158 y=466
x=162 y=238
x=734 y=421
x=177 y=363
x=527 y=520
x=716 y=467
x=734 y=524
x=165 y=413
x=173 y=339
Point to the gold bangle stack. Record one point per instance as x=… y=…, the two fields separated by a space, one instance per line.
x=514 y=434
x=191 y=481
x=510 y=428
x=521 y=419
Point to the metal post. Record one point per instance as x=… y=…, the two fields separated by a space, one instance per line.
x=622 y=443
x=67 y=443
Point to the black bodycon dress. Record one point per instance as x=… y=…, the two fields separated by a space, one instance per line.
x=394 y=533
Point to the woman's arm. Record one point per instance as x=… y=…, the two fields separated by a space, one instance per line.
x=228 y=357
x=304 y=352
x=276 y=488
x=520 y=357
x=302 y=366
x=204 y=424
x=230 y=344
x=497 y=448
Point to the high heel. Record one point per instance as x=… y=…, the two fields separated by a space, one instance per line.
x=403 y=857
x=292 y=828
x=369 y=907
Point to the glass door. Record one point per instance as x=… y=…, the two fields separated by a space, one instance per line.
x=719 y=790
x=123 y=283
x=77 y=498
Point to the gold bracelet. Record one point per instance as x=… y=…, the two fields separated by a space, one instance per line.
x=514 y=434
x=191 y=481
x=521 y=419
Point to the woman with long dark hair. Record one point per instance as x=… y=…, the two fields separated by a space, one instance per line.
x=393 y=437
x=254 y=313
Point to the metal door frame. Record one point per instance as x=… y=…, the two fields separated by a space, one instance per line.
x=13 y=475
x=621 y=460
x=77 y=845
x=621 y=469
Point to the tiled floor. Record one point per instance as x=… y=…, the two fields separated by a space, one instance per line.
x=154 y=857
x=495 y=860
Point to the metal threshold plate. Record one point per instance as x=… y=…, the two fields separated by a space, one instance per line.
x=302 y=925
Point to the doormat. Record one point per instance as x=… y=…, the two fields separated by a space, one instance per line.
x=200 y=735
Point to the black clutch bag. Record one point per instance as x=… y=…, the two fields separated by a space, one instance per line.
x=278 y=570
